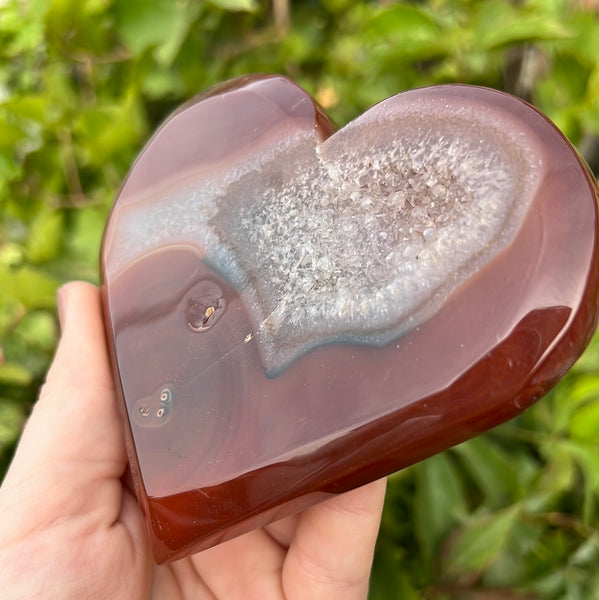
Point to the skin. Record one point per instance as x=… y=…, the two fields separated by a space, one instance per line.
x=72 y=529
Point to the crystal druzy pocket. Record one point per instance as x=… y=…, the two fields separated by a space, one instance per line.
x=293 y=312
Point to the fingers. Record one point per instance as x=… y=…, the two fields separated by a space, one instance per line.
x=81 y=359
x=283 y=530
x=331 y=554
x=73 y=440
x=76 y=416
x=243 y=567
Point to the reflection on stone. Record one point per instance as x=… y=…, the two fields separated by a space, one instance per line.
x=295 y=312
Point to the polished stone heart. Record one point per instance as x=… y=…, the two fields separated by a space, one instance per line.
x=294 y=312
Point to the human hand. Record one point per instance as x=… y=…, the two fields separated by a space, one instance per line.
x=71 y=529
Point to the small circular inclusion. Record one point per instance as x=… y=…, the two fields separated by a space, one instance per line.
x=155 y=410
x=204 y=306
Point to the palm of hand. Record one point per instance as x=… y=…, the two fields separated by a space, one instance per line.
x=72 y=530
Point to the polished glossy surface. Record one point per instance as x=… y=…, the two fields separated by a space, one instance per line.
x=293 y=312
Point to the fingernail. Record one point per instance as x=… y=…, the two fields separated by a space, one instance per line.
x=61 y=303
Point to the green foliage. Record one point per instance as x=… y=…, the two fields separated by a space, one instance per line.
x=512 y=514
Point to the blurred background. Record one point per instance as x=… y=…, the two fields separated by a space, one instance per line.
x=511 y=515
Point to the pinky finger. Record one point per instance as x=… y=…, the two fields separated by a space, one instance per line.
x=331 y=554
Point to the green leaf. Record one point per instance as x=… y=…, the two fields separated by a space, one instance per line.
x=389 y=581
x=83 y=244
x=45 y=235
x=11 y=312
x=491 y=468
x=400 y=31
x=555 y=479
x=587 y=458
x=14 y=374
x=10 y=134
x=584 y=424
x=32 y=107
x=479 y=542
x=584 y=44
x=11 y=255
x=589 y=360
x=500 y=24
x=587 y=553
x=31 y=287
x=568 y=398
x=103 y=133
x=10 y=168
x=439 y=502
x=11 y=422
x=160 y=24
x=236 y=5
x=25 y=22
x=37 y=330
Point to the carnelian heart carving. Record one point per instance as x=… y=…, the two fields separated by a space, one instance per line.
x=294 y=312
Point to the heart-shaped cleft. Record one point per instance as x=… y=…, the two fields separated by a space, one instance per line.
x=293 y=312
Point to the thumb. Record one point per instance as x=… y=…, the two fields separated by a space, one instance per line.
x=72 y=450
